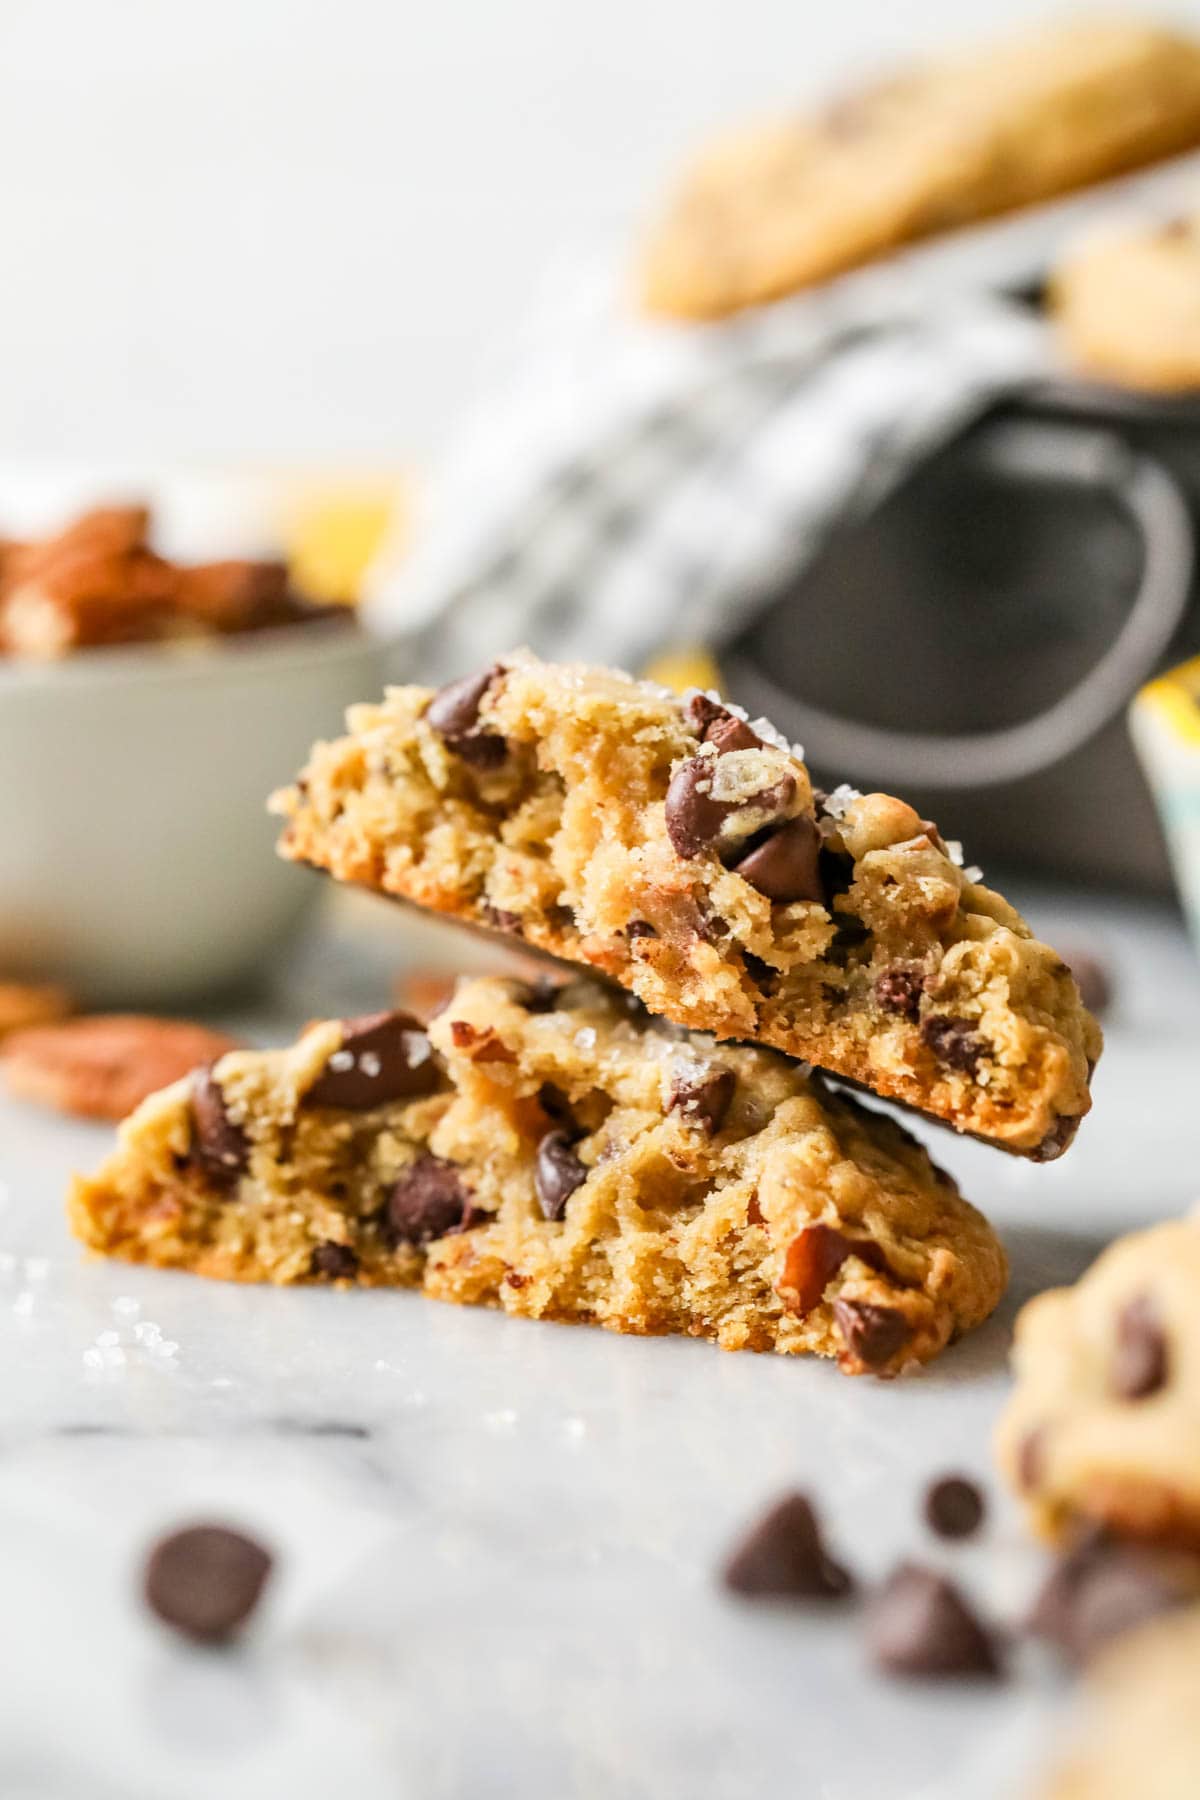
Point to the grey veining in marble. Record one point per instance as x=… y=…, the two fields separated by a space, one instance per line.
x=496 y=1539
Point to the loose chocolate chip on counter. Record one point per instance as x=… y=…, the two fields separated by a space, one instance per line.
x=816 y=1254
x=1101 y=1588
x=703 y=1096
x=205 y=1581
x=427 y=1201
x=873 y=1335
x=220 y=1148
x=557 y=1173
x=1139 y=1364
x=454 y=715
x=383 y=1057
x=954 y=1507
x=898 y=990
x=783 y=1557
x=336 y=1262
x=953 y=1042
x=785 y=866
x=920 y=1624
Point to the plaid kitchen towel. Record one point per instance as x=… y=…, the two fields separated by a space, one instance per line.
x=636 y=484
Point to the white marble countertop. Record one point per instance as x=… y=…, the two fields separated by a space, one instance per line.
x=496 y=1539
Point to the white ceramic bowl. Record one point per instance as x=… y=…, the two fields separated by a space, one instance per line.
x=137 y=857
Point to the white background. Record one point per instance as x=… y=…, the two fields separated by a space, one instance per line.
x=294 y=227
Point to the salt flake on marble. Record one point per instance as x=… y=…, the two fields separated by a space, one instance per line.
x=126 y=1307
x=37 y=1268
x=106 y=1339
x=147 y=1332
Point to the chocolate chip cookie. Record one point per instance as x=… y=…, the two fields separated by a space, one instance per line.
x=1128 y=307
x=679 y=849
x=1139 y=1733
x=1104 y=1426
x=553 y=1154
x=781 y=206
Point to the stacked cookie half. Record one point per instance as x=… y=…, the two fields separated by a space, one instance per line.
x=651 y=1148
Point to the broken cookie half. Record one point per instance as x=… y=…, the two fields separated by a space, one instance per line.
x=548 y=1152
x=679 y=849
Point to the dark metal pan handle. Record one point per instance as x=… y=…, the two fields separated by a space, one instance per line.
x=1016 y=450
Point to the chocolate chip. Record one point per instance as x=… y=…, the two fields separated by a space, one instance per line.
x=954 y=1507
x=701 y=712
x=205 y=1581
x=539 y=996
x=782 y=1556
x=640 y=928
x=873 y=1335
x=220 y=1149
x=732 y=734
x=1100 y=1589
x=694 y=818
x=454 y=714
x=703 y=1096
x=336 y=1262
x=784 y=866
x=1139 y=1364
x=558 y=1172
x=920 y=1624
x=816 y=1254
x=837 y=872
x=761 y=973
x=898 y=990
x=953 y=1042
x=1092 y=978
x=427 y=1201
x=382 y=1057
x=498 y=919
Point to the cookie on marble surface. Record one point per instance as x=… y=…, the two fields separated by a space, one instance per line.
x=963 y=138
x=103 y=1065
x=1140 y=1730
x=1128 y=307
x=1104 y=1426
x=680 y=850
x=554 y=1155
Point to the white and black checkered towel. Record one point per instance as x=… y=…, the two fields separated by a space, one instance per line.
x=638 y=484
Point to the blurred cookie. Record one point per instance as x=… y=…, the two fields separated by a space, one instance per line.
x=102 y=1067
x=782 y=206
x=1104 y=1426
x=1128 y=307
x=24 y=1003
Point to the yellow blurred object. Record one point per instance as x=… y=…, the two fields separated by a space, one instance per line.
x=1175 y=698
x=334 y=532
x=684 y=666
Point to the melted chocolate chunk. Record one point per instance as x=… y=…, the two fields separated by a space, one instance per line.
x=498 y=919
x=783 y=1557
x=206 y=1581
x=899 y=989
x=427 y=1201
x=873 y=1335
x=220 y=1149
x=382 y=1057
x=816 y=1254
x=785 y=866
x=557 y=1173
x=694 y=818
x=920 y=1624
x=454 y=715
x=954 y=1507
x=336 y=1262
x=701 y=713
x=732 y=734
x=1139 y=1364
x=953 y=1042
x=703 y=1096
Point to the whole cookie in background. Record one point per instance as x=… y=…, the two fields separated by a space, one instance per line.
x=1127 y=306
x=962 y=138
x=1103 y=1428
